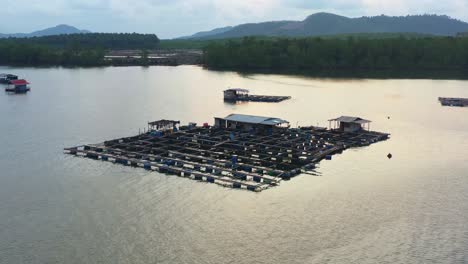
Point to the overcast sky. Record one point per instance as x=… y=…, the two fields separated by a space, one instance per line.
x=173 y=18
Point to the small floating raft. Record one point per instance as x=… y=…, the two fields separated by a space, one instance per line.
x=460 y=102
x=238 y=94
x=6 y=78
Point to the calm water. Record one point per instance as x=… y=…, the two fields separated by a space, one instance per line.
x=364 y=209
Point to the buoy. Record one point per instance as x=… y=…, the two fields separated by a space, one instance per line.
x=252 y=188
x=389 y=156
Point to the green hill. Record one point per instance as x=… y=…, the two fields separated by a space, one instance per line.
x=321 y=24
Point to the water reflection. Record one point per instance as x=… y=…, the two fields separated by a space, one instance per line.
x=365 y=208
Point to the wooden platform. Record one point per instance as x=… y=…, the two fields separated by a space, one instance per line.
x=14 y=90
x=261 y=98
x=227 y=157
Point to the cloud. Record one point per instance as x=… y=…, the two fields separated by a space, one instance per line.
x=179 y=17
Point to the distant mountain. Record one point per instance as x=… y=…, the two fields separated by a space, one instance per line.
x=57 y=30
x=203 y=34
x=331 y=24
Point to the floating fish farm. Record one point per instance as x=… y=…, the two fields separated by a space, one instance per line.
x=239 y=151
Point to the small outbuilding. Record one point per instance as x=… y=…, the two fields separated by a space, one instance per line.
x=350 y=124
x=249 y=122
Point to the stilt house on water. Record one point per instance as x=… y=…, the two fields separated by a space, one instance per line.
x=18 y=86
x=350 y=124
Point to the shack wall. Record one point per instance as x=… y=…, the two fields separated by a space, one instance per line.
x=350 y=127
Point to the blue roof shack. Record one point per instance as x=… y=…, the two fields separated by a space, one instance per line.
x=249 y=122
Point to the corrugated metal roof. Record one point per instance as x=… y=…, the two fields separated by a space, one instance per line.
x=250 y=119
x=351 y=119
x=19 y=82
x=163 y=122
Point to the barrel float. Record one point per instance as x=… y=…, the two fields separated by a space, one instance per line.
x=92 y=156
x=210 y=179
x=252 y=188
x=169 y=162
x=171 y=171
x=286 y=176
x=122 y=161
x=241 y=176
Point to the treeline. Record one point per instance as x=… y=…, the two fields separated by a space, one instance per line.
x=70 y=50
x=92 y=41
x=308 y=54
x=40 y=55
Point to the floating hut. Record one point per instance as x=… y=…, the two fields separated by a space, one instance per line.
x=460 y=102
x=18 y=86
x=249 y=122
x=6 y=78
x=163 y=125
x=239 y=94
x=229 y=155
x=350 y=124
